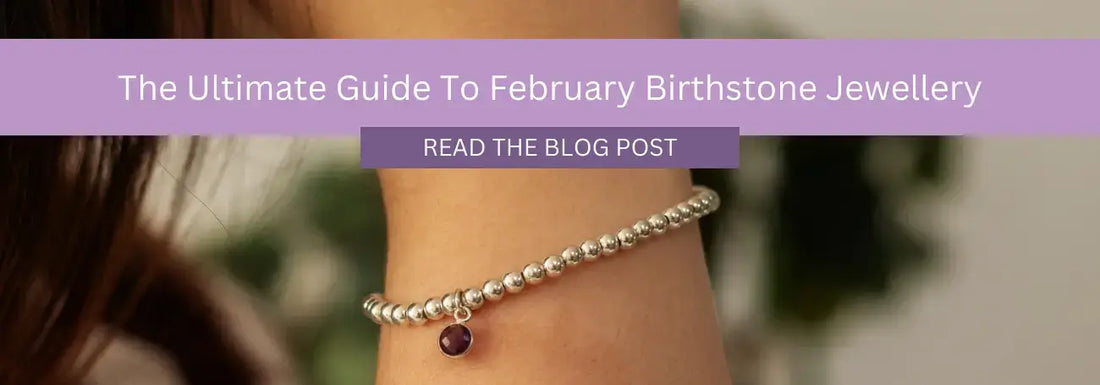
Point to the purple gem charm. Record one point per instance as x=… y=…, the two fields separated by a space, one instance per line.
x=455 y=340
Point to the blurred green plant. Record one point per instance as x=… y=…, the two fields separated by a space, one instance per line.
x=835 y=236
x=342 y=205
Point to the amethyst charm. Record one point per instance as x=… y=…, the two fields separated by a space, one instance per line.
x=455 y=339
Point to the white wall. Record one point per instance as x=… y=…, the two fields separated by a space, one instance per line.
x=1016 y=300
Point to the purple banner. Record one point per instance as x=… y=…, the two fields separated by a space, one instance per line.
x=549 y=147
x=766 y=87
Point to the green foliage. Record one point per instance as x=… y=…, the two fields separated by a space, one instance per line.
x=342 y=204
x=836 y=237
x=253 y=260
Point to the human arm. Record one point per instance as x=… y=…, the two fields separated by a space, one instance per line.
x=643 y=316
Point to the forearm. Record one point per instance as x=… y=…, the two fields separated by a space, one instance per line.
x=644 y=316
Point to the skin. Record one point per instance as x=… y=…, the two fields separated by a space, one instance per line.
x=645 y=316
x=530 y=19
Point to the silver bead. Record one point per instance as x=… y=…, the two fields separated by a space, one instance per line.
x=533 y=273
x=554 y=265
x=697 y=206
x=687 y=213
x=450 y=303
x=627 y=238
x=473 y=298
x=433 y=308
x=368 y=303
x=590 y=250
x=642 y=229
x=712 y=196
x=572 y=255
x=373 y=309
x=707 y=204
x=674 y=218
x=376 y=312
x=493 y=290
x=387 y=313
x=513 y=282
x=609 y=244
x=416 y=314
x=658 y=224
x=400 y=315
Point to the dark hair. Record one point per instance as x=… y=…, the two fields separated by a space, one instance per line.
x=76 y=257
x=152 y=19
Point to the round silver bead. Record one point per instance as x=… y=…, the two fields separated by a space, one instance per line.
x=590 y=250
x=473 y=298
x=674 y=218
x=708 y=205
x=433 y=308
x=387 y=313
x=400 y=315
x=416 y=314
x=554 y=265
x=572 y=255
x=373 y=309
x=627 y=238
x=533 y=273
x=658 y=224
x=609 y=244
x=687 y=213
x=513 y=282
x=376 y=312
x=450 y=303
x=697 y=206
x=493 y=290
x=641 y=229
x=713 y=198
x=368 y=303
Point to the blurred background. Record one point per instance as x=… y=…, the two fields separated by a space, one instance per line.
x=886 y=261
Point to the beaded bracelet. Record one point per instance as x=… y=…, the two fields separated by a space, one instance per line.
x=456 y=339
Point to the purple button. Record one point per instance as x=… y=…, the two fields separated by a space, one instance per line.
x=549 y=147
